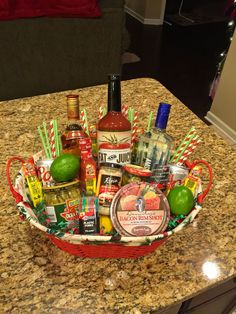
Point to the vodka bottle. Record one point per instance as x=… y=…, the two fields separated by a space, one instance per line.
x=154 y=150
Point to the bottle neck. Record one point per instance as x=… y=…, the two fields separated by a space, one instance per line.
x=73 y=108
x=114 y=93
x=162 y=116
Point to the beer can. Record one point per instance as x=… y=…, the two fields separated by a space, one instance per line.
x=43 y=172
x=176 y=175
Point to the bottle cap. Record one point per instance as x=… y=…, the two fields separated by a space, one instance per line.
x=162 y=115
x=113 y=77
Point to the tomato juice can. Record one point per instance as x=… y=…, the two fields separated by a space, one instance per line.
x=43 y=172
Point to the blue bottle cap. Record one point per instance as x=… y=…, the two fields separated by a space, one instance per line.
x=162 y=115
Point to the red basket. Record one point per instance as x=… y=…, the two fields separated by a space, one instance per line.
x=127 y=247
x=108 y=250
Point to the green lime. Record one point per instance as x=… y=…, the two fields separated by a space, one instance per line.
x=65 y=168
x=181 y=200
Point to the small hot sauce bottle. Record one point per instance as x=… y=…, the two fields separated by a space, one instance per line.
x=74 y=132
x=114 y=130
x=88 y=169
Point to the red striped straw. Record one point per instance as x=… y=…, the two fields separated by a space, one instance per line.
x=82 y=115
x=189 y=150
x=125 y=110
x=135 y=127
x=183 y=145
x=52 y=139
x=100 y=115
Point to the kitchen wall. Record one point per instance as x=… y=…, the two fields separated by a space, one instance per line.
x=147 y=11
x=223 y=110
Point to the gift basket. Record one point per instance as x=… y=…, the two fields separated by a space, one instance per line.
x=110 y=192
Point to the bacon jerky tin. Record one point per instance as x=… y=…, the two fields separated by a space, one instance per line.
x=139 y=209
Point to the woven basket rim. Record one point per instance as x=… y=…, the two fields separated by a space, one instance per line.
x=78 y=238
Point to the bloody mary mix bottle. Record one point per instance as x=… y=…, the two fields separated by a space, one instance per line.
x=74 y=132
x=114 y=130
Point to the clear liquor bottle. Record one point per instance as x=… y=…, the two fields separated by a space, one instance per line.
x=154 y=149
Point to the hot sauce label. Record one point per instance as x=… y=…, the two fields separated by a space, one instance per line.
x=114 y=147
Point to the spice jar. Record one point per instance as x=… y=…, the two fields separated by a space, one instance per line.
x=133 y=173
x=61 y=203
x=109 y=183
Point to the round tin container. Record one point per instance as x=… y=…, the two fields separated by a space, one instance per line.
x=139 y=209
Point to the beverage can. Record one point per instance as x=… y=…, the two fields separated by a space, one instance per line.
x=177 y=174
x=43 y=172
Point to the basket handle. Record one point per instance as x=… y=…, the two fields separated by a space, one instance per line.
x=18 y=198
x=202 y=195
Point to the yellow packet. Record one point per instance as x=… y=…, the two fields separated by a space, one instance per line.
x=35 y=187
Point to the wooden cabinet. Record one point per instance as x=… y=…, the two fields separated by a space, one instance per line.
x=218 y=300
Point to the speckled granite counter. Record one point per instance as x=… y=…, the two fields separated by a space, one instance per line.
x=37 y=277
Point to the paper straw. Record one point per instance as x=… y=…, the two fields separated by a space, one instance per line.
x=56 y=137
x=52 y=139
x=104 y=111
x=185 y=145
x=82 y=115
x=60 y=145
x=100 y=115
x=124 y=110
x=43 y=142
x=47 y=140
x=189 y=150
x=131 y=116
x=86 y=121
x=187 y=139
x=134 y=128
x=149 y=121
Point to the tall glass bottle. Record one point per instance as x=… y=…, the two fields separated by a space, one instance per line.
x=154 y=149
x=74 y=132
x=114 y=130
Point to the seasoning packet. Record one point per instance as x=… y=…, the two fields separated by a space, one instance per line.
x=88 y=215
x=34 y=185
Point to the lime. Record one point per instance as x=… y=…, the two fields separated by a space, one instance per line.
x=65 y=168
x=181 y=200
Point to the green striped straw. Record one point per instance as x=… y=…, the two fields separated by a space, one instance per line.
x=131 y=116
x=47 y=140
x=183 y=145
x=55 y=126
x=104 y=111
x=43 y=142
x=149 y=121
x=60 y=145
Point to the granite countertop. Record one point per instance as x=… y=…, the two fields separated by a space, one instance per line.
x=37 y=277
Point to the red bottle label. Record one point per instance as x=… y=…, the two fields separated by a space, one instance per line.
x=114 y=147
